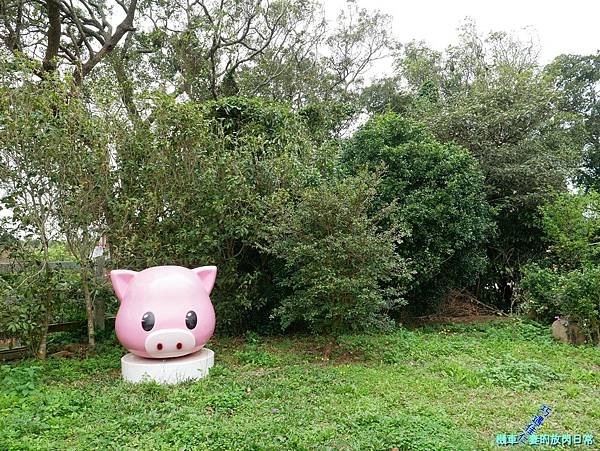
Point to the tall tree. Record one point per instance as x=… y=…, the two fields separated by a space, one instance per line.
x=56 y=33
x=54 y=173
x=577 y=78
x=191 y=47
x=328 y=64
x=279 y=49
x=490 y=96
x=28 y=130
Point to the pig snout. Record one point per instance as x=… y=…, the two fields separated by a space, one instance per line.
x=167 y=343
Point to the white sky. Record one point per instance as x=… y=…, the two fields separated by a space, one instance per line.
x=561 y=26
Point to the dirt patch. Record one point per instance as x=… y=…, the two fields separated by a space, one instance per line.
x=459 y=307
x=61 y=354
x=348 y=357
x=441 y=319
x=318 y=350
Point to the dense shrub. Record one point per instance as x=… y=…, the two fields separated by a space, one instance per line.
x=539 y=288
x=567 y=281
x=571 y=223
x=439 y=191
x=574 y=294
x=340 y=271
x=579 y=298
x=193 y=186
x=189 y=189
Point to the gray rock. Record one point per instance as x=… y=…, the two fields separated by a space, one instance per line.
x=567 y=332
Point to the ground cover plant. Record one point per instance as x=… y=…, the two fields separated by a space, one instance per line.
x=435 y=388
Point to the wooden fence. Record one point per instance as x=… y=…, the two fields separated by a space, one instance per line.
x=21 y=351
x=6 y=268
x=100 y=320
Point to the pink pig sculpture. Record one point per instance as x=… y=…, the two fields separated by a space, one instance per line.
x=165 y=311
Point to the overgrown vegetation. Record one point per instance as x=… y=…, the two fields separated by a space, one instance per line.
x=245 y=135
x=339 y=270
x=240 y=184
x=231 y=133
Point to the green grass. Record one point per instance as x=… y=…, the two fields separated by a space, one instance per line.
x=448 y=387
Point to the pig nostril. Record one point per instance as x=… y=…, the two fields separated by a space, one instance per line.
x=159 y=346
x=179 y=345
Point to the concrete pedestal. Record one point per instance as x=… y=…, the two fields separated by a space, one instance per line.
x=167 y=371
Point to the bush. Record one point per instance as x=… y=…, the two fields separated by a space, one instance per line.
x=439 y=191
x=539 y=286
x=579 y=298
x=193 y=188
x=339 y=269
x=574 y=294
x=567 y=281
x=571 y=223
x=189 y=188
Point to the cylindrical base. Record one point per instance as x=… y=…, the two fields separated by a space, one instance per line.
x=167 y=371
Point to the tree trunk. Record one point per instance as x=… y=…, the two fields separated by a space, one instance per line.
x=89 y=307
x=53 y=11
x=99 y=304
x=43 y=345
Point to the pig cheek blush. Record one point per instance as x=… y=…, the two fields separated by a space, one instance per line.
x=165 y=317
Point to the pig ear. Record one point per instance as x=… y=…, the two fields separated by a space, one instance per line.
x=121 y=278
x=207 y=275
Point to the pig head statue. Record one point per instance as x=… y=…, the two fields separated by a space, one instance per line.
x=165 y=311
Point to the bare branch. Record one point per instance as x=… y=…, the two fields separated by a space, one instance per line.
x=124 y=27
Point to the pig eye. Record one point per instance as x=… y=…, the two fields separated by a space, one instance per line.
x=148 y=321
x=191 y=319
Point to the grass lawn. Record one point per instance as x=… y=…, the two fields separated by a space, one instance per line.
x=445 y=387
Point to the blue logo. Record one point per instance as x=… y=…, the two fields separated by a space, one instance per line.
x=530 y=434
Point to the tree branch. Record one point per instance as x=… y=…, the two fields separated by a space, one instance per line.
x=124 y=27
